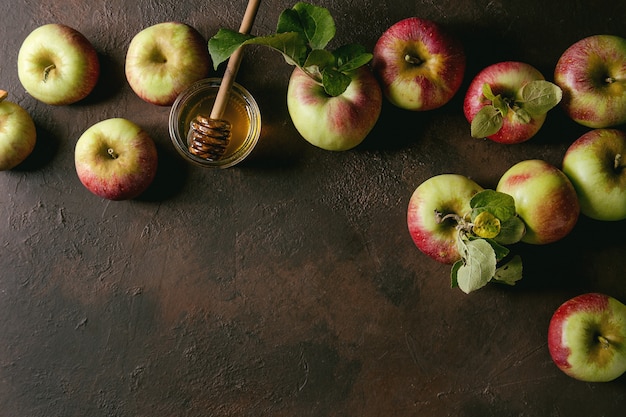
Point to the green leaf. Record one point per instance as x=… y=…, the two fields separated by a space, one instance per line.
x=317 y=61
x=538 y=97
x=224 y=44
x=522 y=115
x=350 y=57
x=454 y=281
x=335 y=82
x=314 y=24
x=488 y=93
x=509 y=273
x=500 y=250
x=511 y=231
x=487 y=122
x=499 y=204
x=479 y=265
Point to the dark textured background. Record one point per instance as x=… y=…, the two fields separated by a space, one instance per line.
x=288 y=285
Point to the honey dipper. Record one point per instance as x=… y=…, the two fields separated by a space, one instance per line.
x=209 y=136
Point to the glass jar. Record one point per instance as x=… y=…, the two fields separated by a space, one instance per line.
x=242 y=112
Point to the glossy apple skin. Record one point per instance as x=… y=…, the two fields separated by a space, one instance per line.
x=574 y=337
x=126 y=174
x=334 y=123
x=18 y=135
x=433 y=80
x=582 y=72
x=545 y=200
x=590 y=164
x=446 y=194
x=505 y=78
x=164 y=59
x=76 y=65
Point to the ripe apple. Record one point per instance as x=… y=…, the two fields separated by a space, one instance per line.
x=57 y=65
x=587 y=337
x=164 y=59
x=595 y=165
x=18 y=134
x=545 y=200
x=507 y=102
x=419 y=64
x=433 y=199
x=334 y=123
x=115 y=159
x=592 y=74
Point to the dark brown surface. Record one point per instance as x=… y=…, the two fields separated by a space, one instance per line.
x=287 y=286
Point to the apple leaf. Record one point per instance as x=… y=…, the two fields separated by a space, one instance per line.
x=350 y=57
x=313 y=23
x=509 y=273
x=539 y=96
x=486 y=225
x=487 y=122
x=335 y=82
x=499 y=204
x=511 y=231
x=488 y=93
x=478 y=265
x=301 y=35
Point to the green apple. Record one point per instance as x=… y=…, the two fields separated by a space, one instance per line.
x=595 y=164
x=587 y=337
x=17 y=133
x=334 y=123
x=433 y=199
x=164 y=59
x=545 y=200
x=115 y=159
x=57 y=65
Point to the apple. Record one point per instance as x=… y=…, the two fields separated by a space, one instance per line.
x=432 y=200
x=18 y=134
x=587 y=337
x=420 y=66
x=592 y=75
x=334 y=123
x=164 y=59
x=507 y=102
x=545 y=200
x=115 y=159
x=595 y=164
x=57 y=65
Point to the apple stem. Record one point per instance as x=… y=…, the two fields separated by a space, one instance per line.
x=604 y=342
x=610 y=80
x=617 y=164
x=415 y=60
x=112 y=153
x=47 y=70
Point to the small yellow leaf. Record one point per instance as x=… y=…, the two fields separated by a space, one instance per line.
x=486 y=225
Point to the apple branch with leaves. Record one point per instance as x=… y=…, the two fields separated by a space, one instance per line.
x=483 y=235
x=535 y=98
x=302 y=35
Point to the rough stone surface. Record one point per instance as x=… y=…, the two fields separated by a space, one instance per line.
x=288 y=285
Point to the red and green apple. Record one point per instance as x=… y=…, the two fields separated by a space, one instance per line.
x=592 y=75
x=507 y=102
x=596 y=165
x=335 y=123
x=434 y=199
x=420 y=65
x=164 y=59
x=57 y=65
x=116 y=159
x=545 y=200
x=18 y=134
x=587 y=337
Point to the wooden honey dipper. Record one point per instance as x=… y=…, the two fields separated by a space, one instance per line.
x=208 y=137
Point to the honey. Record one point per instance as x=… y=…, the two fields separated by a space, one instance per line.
x=241 y=112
